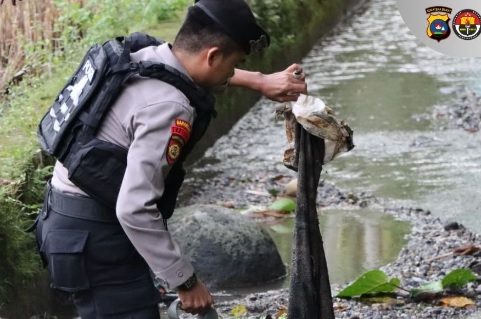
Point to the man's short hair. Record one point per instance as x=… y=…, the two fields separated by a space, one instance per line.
x=233 y=18
x=199 y=32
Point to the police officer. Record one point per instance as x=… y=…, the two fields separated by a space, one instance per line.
x=104 y=257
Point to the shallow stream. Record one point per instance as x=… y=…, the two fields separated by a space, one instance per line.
x=385 y=83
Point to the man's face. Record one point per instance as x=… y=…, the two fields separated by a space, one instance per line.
x=224 y=67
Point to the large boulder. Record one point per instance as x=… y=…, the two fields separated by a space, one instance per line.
x=226 y=248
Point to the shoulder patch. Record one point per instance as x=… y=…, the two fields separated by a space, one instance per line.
x=180 y=134
x=181 y=129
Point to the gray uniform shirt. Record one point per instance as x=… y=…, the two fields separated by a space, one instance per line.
x=148 y=118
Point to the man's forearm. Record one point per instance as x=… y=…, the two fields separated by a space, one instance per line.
x=283 y=86
x=247 y=79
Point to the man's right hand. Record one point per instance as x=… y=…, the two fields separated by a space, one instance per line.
x=197 y=300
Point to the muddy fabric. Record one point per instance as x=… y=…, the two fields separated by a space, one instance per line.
x=310 y=289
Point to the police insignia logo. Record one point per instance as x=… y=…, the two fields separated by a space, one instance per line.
x=438 y=27
x=180 y=135
x=173 y=151
x=467 y=24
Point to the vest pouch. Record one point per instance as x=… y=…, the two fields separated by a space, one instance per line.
x=98 y=169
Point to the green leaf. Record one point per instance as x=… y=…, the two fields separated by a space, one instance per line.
x=273 y=192
x=283 y=204
x=375 y=281
x=458 y=278
x=431 y=288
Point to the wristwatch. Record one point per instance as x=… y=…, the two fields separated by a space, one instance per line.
x=189 y=283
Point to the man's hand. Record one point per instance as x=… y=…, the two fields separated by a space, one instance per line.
x=13 y=2
x=284 y=86
x=197 y=300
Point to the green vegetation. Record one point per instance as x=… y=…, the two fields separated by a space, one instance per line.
x=376 y=283
x=46 y=66
x=45 y=46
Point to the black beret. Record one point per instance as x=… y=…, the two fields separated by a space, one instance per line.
x=235 y=18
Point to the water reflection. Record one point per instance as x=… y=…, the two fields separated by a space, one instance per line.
x=354 y=241
x=384 y=101
x=386 y=87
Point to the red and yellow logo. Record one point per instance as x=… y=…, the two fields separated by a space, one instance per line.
x=180 y=131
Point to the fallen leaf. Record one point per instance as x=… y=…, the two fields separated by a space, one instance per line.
x=458 y=278
x=340 y=307
x=457 y=302
x=227 y=204
x=371 y=282
x=281 y=312
x=274 y=213
x=239 y=311
x=283 y=204
x=258 y=193
x=467 y=250
x=381 y=299
x=279 y=177
x=267 y=213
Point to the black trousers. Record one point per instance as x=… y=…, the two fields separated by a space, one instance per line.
x=88 y=255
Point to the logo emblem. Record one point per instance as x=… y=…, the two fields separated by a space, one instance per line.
x=173 y=151
x=467 y=24
x=180 y=131
x=438 y=27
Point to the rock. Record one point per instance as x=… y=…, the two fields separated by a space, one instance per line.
x=453 y=226
x=226 y=248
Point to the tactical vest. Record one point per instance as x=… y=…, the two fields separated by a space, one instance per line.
x=67 y=130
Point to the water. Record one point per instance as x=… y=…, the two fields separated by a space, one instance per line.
x=385 y=82
x=354 y=241
x=376 y=75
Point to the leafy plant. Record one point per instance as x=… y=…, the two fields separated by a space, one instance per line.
x=377 y=282
x=372 y=282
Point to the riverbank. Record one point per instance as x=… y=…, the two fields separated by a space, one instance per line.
x=245 y=165
x=420 y=262
x=427 y=256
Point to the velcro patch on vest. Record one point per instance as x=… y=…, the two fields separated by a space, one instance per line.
x=180 y=135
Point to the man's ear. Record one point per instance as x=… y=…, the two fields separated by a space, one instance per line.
x=214 y=55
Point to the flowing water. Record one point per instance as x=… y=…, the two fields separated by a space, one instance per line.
x=385 y=82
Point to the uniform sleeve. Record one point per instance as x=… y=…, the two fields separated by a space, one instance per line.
x=157 y=133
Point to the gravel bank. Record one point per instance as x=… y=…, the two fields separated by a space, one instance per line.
x=239 y=169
